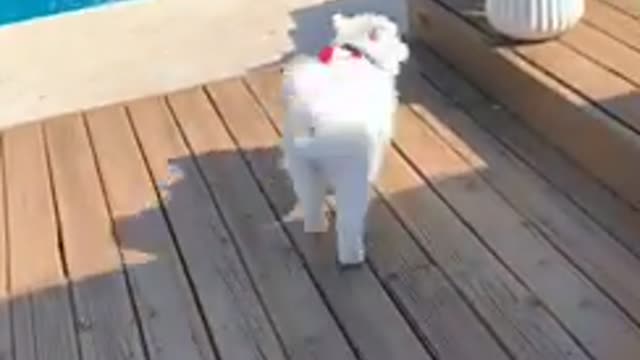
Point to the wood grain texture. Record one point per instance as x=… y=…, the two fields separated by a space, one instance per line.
x=280 y=274
x=576 y=71
x=178 y=229
x=513 y=74
x=513 y=311
x=613 y=56
x=598 y=84
x=436 y=309
x=372 y=321
x=614 y=23
x=6 y=341
x=629 y=8
x=43 y=321
x=611 y=266
x=448 y=230
x=617 y=217
x=587 y=312
x=240 y=326
x=170 y=321
x=108 y=325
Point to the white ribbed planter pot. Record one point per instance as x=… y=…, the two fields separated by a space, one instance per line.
x=533 y=19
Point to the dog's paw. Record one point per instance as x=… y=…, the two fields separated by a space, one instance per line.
x=345 y=266
x=351 y=259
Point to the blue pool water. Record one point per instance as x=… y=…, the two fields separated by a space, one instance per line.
x=12 y=11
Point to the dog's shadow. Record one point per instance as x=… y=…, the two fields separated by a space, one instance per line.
x=253 y=196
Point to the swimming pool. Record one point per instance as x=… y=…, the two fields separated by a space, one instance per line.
x=12 y=11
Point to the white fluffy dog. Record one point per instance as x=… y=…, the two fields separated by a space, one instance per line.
x=339 y=119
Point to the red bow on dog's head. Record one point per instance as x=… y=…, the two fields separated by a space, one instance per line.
x=326 y=54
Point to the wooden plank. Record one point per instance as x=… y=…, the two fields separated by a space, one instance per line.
x=597 y=84
x=442 y=315
x=499 y=299
x=578 y=72
x=6 y=341
x=614 y=56
x=108 y=326
x=590 y=247
x=41 y=307
x=280 y=275
x=585 y=74
x=239 y=324
x=591 y=316
x=611 y=213
x=546 y=104
x=365 y=311
x=170 y=321
x=431 y=303
x=515 y=314
x=616 y=24
x=609 y=91
x=627 y=7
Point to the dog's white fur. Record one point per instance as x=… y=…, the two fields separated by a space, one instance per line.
x=339 y=119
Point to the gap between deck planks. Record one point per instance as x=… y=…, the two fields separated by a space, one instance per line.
x=565 y=60
x=574 y=224
x=6 y=340
x=561 y=97
x=542 y=266
x=521 y=231
x=307 y=334
x=169 y=316
x=217 y=154
x=628 y=7
x=495 y=294
x=360 y=303
x=433 y=306
x=445 y=292
x=240 y=326
x=41 y=308
x=578 y=237
x=617 y=24
x=592 y=248
x=109 y=328
x=617 y=217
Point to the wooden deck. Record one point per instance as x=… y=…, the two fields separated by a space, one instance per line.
x=581 y=91
x=165 y=229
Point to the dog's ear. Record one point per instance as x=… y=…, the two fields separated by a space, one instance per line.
x=374 y=34
x=338 y=20
x=397 y=53
x=402 y=52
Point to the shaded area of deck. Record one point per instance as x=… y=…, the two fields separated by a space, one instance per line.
x=580 y=90
x=165 y=228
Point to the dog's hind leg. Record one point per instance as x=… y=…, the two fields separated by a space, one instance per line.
x=376 y=160
x=310 y=189
x=352 y=198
